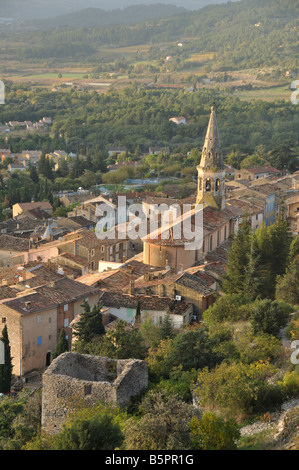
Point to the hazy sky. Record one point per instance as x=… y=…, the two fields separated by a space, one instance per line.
x=26 y=9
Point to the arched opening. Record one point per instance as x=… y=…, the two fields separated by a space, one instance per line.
x=217 y=185
x=208 y=184
x=48 y=359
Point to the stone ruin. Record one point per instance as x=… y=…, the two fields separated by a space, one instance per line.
x=74 y=378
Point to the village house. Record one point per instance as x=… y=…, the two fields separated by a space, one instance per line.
x=256 y=173
x=11 y=246
x=192 y=285
x=157 y=150
x=292 y=212
x=35 y=318
x=124 y=306
x=180 y=120
x=22 y=207
x=114 y=151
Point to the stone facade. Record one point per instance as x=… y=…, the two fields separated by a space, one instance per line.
x=73 y=378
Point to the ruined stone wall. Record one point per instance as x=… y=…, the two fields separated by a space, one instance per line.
x=74 y=378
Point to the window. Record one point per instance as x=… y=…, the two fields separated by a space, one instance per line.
x=38 y=319
x=3 y=320
x=87 y=389
x=92 y=252
x=102 y=249
x=50 y=319
x=208 y=184
x=257 y=217
x=66 y=307
x=66 y=323
x=217 y=184
x=39 y=341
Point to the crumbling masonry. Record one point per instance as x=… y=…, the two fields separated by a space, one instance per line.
x=73 y=377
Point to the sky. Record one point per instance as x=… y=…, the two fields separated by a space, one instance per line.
x=28 y=9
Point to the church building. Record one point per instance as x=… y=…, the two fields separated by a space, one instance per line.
x=218 y=221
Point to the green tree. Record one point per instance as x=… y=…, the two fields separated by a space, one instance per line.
x=238 y=390
x=268 y=317
x=284 y=157
x=212 y=432
x=294 y=248
x=287 y=286
x=164 y=424
x=98 y=432
x=33 y=174
x=193 y=349
x=62 y=345
x=238 y=258
x=166 y=327
x=6 y=368
x=89 y=326
x=124 y=341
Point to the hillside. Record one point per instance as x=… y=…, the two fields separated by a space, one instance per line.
x=243 y=34
x=32 y=9
x=93 y=17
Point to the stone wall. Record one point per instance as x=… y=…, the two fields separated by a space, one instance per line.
x=74 y=378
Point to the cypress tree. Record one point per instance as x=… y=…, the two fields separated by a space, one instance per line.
x=238 y=257
x=62 y=345
x=166 y=328
x=6 y=368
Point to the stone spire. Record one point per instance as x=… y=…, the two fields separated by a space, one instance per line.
x=211 y=171
x=211 y=153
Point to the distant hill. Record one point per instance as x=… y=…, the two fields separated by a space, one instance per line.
x=32 y=9
x=93 y=17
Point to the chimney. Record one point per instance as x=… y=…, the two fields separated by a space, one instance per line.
x=132 y=287
x=75 y=247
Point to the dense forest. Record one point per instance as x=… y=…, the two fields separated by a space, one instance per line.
x=138 y=116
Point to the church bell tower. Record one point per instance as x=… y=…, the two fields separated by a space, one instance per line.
x=211 y=171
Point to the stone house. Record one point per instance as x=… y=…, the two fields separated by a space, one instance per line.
x=11 y=246
x=192 y=286
x=21 y=207
x=91 y=379
x=256 y=173
x=35 y=317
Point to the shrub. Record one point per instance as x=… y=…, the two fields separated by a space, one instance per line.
x=290 y=384
x=268 y=317
x=228 y=308
x=213 y=433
